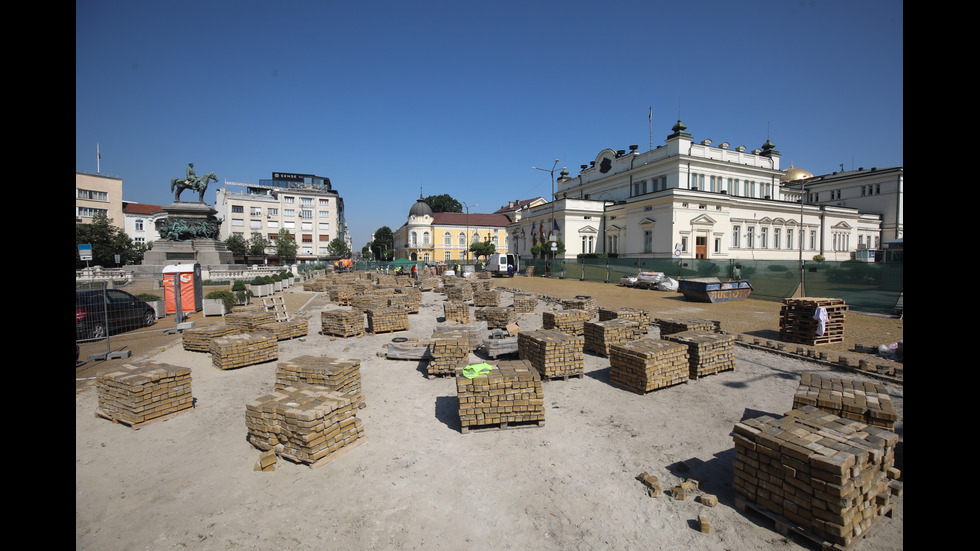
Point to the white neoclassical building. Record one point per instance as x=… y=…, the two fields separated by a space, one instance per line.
x=688 y=199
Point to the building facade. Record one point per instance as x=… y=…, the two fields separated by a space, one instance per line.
x=98 y=194
x=305 y=205
x=446 y=236
x=140 y=222
x=688 y=199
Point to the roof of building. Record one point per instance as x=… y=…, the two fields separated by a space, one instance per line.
x=140 y=208
x=516 y=205
x=420 y=208
x=473 y=219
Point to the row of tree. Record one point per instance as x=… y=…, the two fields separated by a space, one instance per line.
x=285 y=246
x=107 y=243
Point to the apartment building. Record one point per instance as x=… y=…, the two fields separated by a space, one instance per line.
x=98 y=194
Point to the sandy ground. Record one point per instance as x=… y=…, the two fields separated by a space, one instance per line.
x=416 y=481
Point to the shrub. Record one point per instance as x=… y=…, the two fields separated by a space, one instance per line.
x=227 y=297
x=148 y=297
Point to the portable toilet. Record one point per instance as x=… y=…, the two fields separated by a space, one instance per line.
x=183 y=281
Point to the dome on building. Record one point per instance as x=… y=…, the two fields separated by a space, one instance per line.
x=792 y=174
x=420 y=208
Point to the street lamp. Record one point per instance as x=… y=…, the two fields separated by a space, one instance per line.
x=468 y=238
x=802 y=271
x=552 y=172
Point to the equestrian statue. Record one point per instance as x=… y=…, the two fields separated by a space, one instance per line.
x=192 y=181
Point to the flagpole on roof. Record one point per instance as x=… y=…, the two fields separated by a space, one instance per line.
x=98 y=157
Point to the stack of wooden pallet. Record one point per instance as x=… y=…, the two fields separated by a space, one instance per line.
x=648 y=364
x=863 y=401
x=830 y=477
x=525 y=303
x=569 y=321
x=509 y=395
x=318 y=285
x=140 y=392
x=248 y=320
x=798 y=323
x=486 y=298
x=428 y=283
x=341 y=375
x=241 y=349
x=456 y=311
x=633 y=314
x=448 y=350
x=285 y=330
x=387 y=320
x=710 y=353
x=404 y=302
x=306 y=425
x=600 y=335
x=342 y=323
x=198 y=339
x=679 y=325
x=581 y=302
x=497 y=317
x=555 y=354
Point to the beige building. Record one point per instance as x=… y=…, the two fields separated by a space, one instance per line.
x=447 y=236
x=304 y=205
x=98 y=194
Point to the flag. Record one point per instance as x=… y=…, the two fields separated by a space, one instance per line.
x=651 y=114
x=532 y=227
x=556 y=228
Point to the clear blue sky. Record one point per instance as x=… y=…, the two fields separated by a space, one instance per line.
x=390 y=98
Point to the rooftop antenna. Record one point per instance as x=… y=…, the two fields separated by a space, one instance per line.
x=651 y=127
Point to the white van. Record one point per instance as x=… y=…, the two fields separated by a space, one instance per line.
x=499 y=261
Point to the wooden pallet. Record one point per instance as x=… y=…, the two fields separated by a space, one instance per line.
x=141 y=424
x=277 y=306
x=504 y=425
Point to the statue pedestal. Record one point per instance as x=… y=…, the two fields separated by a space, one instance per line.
x=189 y=248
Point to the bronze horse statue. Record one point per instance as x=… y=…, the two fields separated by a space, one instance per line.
x=192 y=182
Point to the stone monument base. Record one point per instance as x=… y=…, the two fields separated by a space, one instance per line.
x=206 y=252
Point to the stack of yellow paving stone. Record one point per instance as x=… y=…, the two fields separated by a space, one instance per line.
x=456 y=311
x=474 y=332
x=342 y=323
x=581 y=302
x=497 y=317
x=342 y=293
x=241 y=349
x=648 y=364
x=387 y=320
x=600 y=335
x=363 y=303
x=318 y=285
x=569 y=321
x=632 y=314
x=829 y=477
x=678 y=325
x=285 y=330
x=249 y=320
x=447 y=351
x=140 y=392
x=459 y=293
x=508 y=395
x=198 y=339
x=864 y=401
x=710 y=352
x=525 y=303
x=404 y=302
x=303 y=424
x=555 y=354
x=341 y=375
x=486 y=298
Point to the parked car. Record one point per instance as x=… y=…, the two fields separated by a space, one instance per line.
x=99 y=313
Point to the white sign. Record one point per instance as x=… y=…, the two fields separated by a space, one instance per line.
x=677 y=253
x=85 y=252
x=554 y=245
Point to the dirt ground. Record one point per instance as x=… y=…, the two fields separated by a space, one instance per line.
x=415 y=481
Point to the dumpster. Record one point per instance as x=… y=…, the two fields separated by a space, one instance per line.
x=711 y=289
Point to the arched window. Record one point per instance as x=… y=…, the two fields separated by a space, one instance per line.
x=447 y=239
x=462 y=239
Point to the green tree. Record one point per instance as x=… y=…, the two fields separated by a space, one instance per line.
x=107 y=241
x=257 y=244
x=443 y=203
x=286 y=245
x=337 y=247
x=482 y=248
x=237 y=244
x=384 y=243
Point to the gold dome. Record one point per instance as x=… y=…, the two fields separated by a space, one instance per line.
x=792 y=174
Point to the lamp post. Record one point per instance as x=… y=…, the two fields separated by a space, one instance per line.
x=802 y=270
x=552 y=228
x=468 y=238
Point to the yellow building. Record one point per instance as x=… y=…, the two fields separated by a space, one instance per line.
x=446 y=236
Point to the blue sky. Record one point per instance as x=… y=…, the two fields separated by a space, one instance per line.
x=392 y=98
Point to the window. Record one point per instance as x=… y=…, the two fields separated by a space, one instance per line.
x=648 y=241
x=684 y=244
x=139 y=224
x=588 y=242
x=237 y=209
x=289 y=200
x=255 y=211
x=613 y=244
x=307 y=238
x=447 y=239
x=750 y=238
x=735 y=187
x=764 y=240
x=306 y=201
x=776 y=236
x=789 y=239
x=91 y=195
x=237 y=222
x=717 y=245
x=414 y=239
x=736 y=238
x=323 y=214
x=289 y=212
x=462 y=239
x=306 y=213
x=323 y=226
x=425 y=238
x=813 y=240
x=272 y=211
x=255 y=224
x=448 y=256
